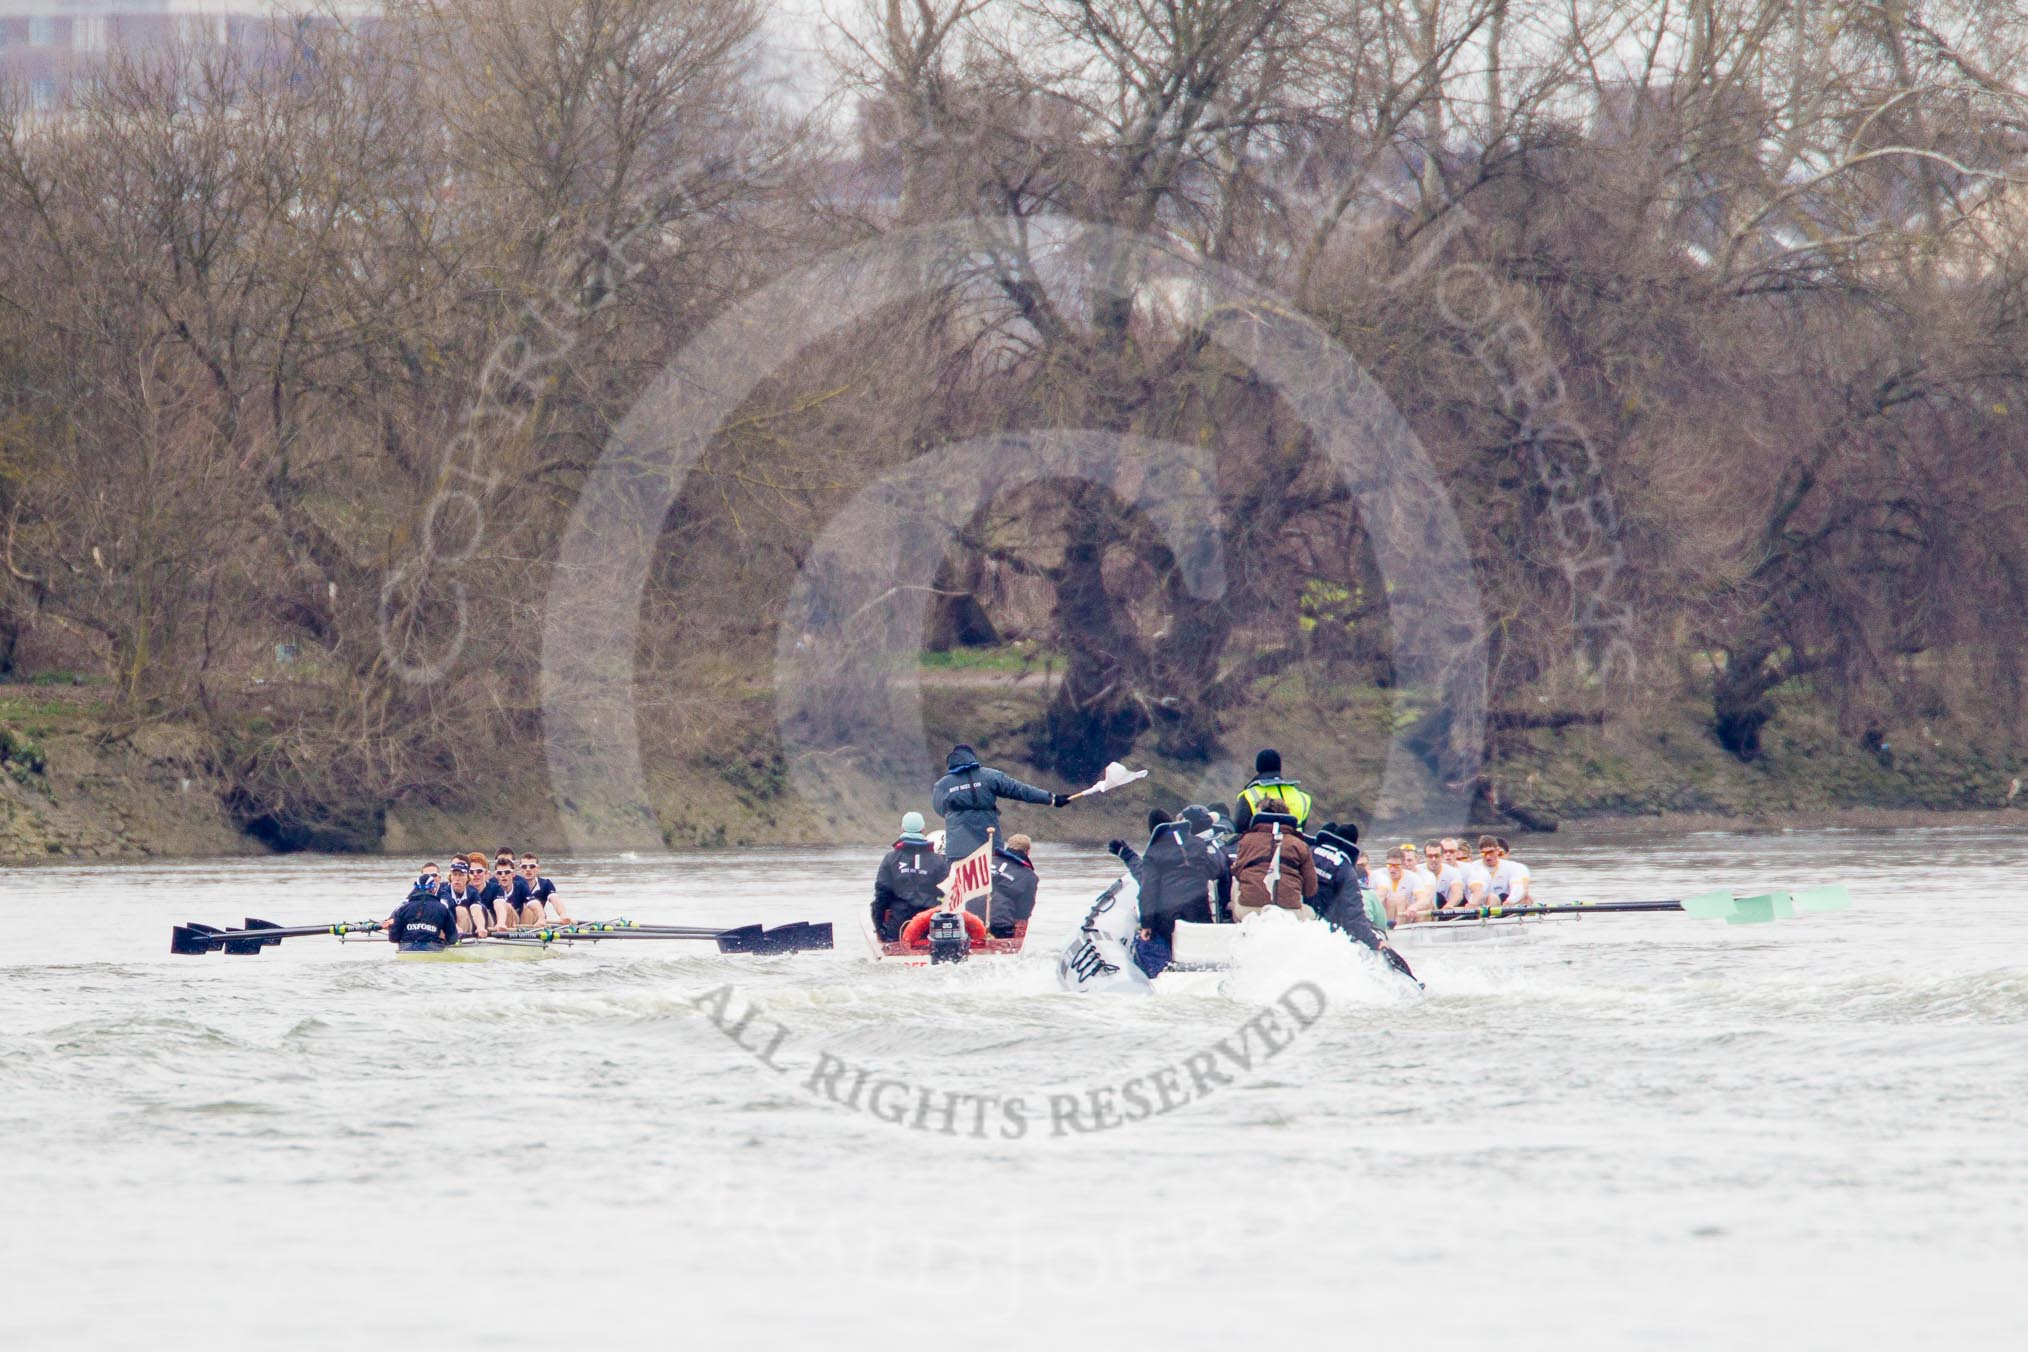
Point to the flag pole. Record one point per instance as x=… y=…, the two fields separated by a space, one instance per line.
x=989 y=880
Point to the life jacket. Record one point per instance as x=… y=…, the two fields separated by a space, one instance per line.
x=1298 y=802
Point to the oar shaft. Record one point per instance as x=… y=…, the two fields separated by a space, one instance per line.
x=564 y=934
x=341 y=928
x=1531 y=908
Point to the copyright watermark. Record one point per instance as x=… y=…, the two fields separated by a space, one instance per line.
x=847 y=683
x=898 y=1101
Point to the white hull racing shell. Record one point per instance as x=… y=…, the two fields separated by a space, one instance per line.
x=1100 y=956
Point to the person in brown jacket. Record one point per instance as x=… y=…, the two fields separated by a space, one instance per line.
x=1272 y=865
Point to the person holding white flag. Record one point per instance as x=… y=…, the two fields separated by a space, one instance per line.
x=968 y=795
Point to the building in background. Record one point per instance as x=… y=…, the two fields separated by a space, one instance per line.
x=46 y=46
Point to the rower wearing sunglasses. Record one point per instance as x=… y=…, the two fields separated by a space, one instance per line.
x=536 y=893
x=502 y=894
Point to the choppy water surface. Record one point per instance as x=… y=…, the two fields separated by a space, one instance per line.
x=1628 y=1131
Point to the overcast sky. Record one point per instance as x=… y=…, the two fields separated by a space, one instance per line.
x=795 y=34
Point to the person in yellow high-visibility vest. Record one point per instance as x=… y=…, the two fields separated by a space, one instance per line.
x=1267 y=782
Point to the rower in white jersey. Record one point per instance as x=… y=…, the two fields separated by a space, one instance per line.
x=1524 y=878
x=1441 y=862
x=1425 y=879
x=1494 y=879
x=1404 y=891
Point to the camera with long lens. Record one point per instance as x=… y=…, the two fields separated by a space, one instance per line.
x=948 y=941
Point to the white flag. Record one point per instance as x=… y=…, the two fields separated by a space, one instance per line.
x=1116 y=776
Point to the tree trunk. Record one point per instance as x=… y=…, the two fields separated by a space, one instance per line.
x=1092 y=717
x=1739 y=703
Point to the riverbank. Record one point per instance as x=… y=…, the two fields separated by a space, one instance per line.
x=77 y=782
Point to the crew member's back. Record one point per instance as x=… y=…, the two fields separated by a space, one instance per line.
x=423 y=923
x=1014 y=884
x=907 y=882
x=1272 y=865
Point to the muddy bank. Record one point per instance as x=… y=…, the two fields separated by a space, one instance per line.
x=75 y=784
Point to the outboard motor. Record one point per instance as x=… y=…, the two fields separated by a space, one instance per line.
x=948 y=941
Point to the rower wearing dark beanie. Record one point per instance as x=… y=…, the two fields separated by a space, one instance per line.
x=1267 y=782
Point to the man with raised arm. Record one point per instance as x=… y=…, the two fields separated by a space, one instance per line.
x=967 y=798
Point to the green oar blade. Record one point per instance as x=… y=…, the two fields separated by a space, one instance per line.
x=1710 y=905
x=1830 y=897
x=1762 y=910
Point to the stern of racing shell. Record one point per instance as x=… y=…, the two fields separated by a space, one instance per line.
x=948 y=941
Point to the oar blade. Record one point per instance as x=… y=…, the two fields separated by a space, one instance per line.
x=817 y=937
x=1762 y=910
x=1710 y=905
x=783 y=938
x=1830 y=897
x=189 y=941
x=745 y=939
x=244 y=946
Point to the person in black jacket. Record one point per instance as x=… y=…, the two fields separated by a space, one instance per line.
x=1014 y=883
x=422 y=924
x=1180 y=872
x=907 y=881
x=1335 y=854
x=967 y=798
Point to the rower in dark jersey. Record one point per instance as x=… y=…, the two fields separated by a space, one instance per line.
x=422 y=924
x=502 y=895
x=537 y=892
x=473 y=916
